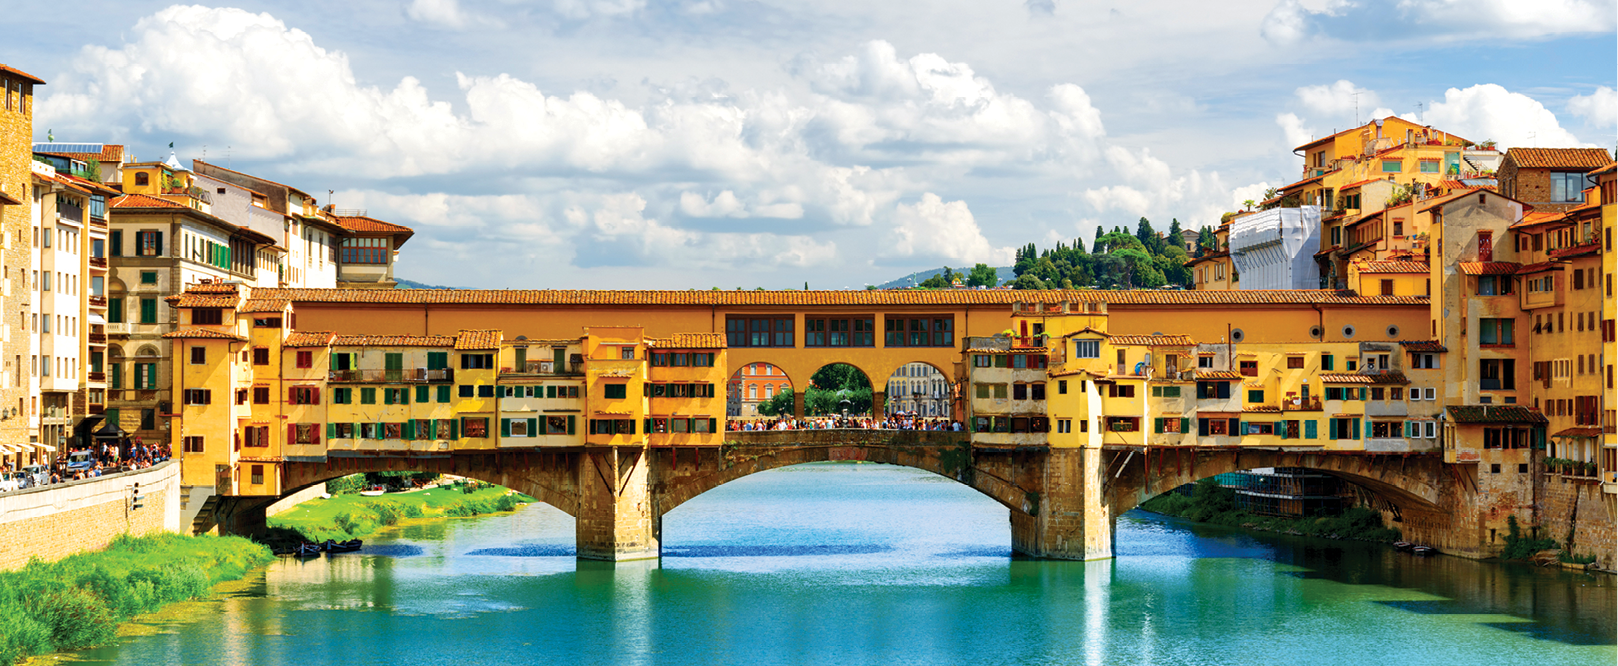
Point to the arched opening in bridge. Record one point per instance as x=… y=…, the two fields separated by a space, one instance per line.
x=759 y=390
x=836 y=389
x=1292 y=500
x=836 y=514
x=919 y=390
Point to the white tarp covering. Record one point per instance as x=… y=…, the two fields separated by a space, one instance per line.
x=1274 y=249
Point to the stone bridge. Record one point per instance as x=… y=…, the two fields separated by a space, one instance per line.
x=1062 y=501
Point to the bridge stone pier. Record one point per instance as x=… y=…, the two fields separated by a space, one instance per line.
x=1062 y=501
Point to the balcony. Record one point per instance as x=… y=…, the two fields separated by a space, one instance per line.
x=546 y=368
x=98 y=301
x=98 y=338
x=1028 y=342
x=401 y=376
x=117 y=328
x=98 y=262
x=95 y=376
x=1311 y=404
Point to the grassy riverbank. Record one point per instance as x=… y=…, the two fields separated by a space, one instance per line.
x=344 y=517
x=1212 y=504
x=78 y=601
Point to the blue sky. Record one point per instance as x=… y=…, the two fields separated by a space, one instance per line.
x=700 y=143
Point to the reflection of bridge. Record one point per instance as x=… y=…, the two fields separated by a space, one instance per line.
x=1062 y=501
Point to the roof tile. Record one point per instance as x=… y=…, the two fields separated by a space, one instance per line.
x=1562 y=158
x=690 y=341
x=477 y=340
x=1423 y=346
x=1495 y=414
x=1395 y=267
x=138 y=201
x=1152 y=340
x=392 y=341
x=256 y=305
x=1345 y=378
x=1489 y=267
x=308 y=339
x=201 y=334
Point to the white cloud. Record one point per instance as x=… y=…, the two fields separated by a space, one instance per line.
x=1152 y=189
x=1599 y=108
x=935 y=228
x=1488 y=111
x=1290 y=22
x=440 y=13
x=1292 y=127
x=1338 y=100
x=1241 y=195
x=586 y=9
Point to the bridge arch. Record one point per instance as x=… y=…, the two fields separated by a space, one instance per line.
x=750 y=389
x=547 y=477
x=997 y=475
x=920 y=387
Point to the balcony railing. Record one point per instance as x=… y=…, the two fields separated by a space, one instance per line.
x=98 y=338
x=98 y=301
x=1312 y=404
x=402 y=376
x=1028 y=342
x=95 y=376
x=546 y=368
x=98 y=262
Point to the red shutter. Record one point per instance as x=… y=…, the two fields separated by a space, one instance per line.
x=315 y=400
x=292 y=433
x=314 y=434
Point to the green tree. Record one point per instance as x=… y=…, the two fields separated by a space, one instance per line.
x=1027 y=281
x=982 y=275
x=780 y=405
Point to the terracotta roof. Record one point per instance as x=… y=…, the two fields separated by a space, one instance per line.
x=1218 y=374
x=1489 y=267
x=1153 y=340
x=264 y=305
x=1345 y=378
x=1428 y=204
x=192 y=300
x=1576 y=251
x=1540 y=267
x=1495 y=414
x=1351 y=186
x=361 y=224
x=1208 y=256
x=21 y=74
x=1539 y=217
x=7 y=200
x=201 y=333
x=690 y=341
x=1262 y=409
x=1585 y=431
x=1451 y=185
x=617 y=373
x=138 y=201
x=88 y=184
x=1606 y=169
x=308 y=339
x=1300 y=183
x=211 y=288
x=392 y=341
x=852 y=298
x=477 y=340
x=1559 y=158
x=1423 y=346
x=1070 y=372
x=1389 y=378
x=195 y=162
x=1395 y=267
x=64 y=181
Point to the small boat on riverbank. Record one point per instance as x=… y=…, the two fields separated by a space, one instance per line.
x=343 y=546
x=307 y=550
x=1403 y=546
x=1424 y=550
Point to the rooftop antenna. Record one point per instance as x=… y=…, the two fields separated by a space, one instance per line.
x=1356 y=108
x=1420 y=108
x=1533 y=138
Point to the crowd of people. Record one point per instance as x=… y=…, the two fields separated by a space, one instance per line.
x=894 y=422
x=73 y=465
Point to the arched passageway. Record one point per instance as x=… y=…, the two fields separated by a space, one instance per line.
x=919 y=389
x=759 y=390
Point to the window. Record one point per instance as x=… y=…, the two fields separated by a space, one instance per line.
x=1249 y=368
x=199 y=355
x=266 y=322
x=1089 y=349
x=1165 y=391
x=148 y=310
x=485 y=390
x=614 y=391
x=198 y=396
x=1424 y=361
x=256 y=437
x=306 y=359
x=192 y=444
x=1497 y=374
x=1568 y=186
x=925 y=331
x=1205 y=361
x=759 y=331
x=261 y=395
x=1213 y=390
x=148 y=277
x=1326 y=362
x=840 y=332
x=367 y=396
x=1343 y=429
x=1064 y=426
x=1116 y=390
x=477 y=361
x=1495 y=332
x=1294 y=362
x=1123 y=424
x=261 y=356
x=1429 y=166
x=442 y=394
x=1485 y=246
x=396 y=396
x=365 y=250
x=1255 y=395
x=474 y=426
x=149 y=243
x=301 y=395
x=1392 y=166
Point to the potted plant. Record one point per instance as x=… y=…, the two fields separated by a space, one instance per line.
x=1590 y=468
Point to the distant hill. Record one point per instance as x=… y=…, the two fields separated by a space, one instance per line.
x=410 y=284
x=1005 y=275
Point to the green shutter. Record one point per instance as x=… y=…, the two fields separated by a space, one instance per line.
x=570 y=424
x=159 y=243
x=533 y=427
x=1356 y=428
x=505 y=427
x=387 y=396
x=409 y=429
x=1364 y=393
x=432 y=428
x=1309 y=430
x=454 y=428
x=423 y=393
x=713 y=425
x=437 y=360
x=331 y=431
x=443 y=393
x=1185 y=425
x=117 y=242
x=550 y=391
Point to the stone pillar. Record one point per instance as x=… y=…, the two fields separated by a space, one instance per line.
x=879 y=401
x=616 y=519
x=797 y=404
x=241 y=516
x=1072 y=520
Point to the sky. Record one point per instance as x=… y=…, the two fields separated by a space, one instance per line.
x=756 y=143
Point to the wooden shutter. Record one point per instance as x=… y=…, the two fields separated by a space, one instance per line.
x=159 y=236
x=315 y=396
x=331 y=431
x=292 y=432
x=1235 y=427
x=505 y=427
x=1202 y=427
x=570 y=424
x=533 y=427
x=1185 y=425
x=1309 y=431
x=713 y=425
x=454 y=428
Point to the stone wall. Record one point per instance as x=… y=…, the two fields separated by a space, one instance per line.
x=56 y=521
x=1574 y=514
x=288 y=502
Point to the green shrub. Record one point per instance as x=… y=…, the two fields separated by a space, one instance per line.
x=1519 y=547
x=352 y=483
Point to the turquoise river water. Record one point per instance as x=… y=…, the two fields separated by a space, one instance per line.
x=872 y=564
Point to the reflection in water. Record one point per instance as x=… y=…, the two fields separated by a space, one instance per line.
x=838 y=564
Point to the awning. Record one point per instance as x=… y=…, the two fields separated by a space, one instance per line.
x=44 y=447
x=96 y=318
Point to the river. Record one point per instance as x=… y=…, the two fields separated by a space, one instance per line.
x=872 y=564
